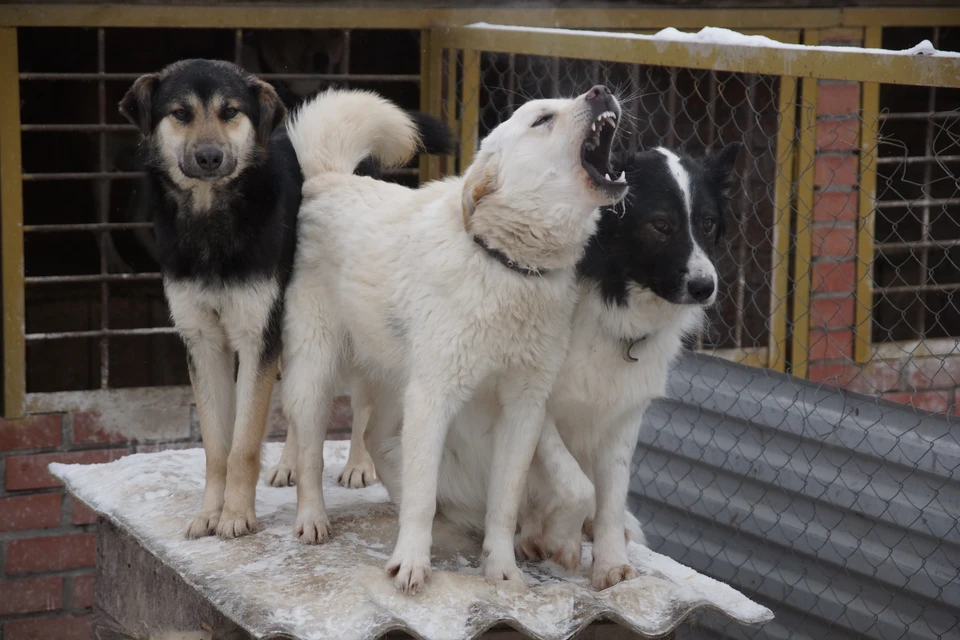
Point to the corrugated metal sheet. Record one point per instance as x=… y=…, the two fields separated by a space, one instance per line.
x=836 y=510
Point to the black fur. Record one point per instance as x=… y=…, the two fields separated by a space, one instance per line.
x=629 y=248
x=249 y=232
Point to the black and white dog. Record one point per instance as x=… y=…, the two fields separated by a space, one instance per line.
x=223 y=187
x=645 y=281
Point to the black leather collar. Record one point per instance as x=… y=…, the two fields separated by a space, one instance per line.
x=502 y=258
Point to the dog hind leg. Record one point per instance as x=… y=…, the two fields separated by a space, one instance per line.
x=284 y=473
x=359 y=471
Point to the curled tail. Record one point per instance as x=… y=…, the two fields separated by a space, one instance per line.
x=335 y=131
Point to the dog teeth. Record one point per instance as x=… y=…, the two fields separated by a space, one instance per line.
x=623 y=177
x=607 y=177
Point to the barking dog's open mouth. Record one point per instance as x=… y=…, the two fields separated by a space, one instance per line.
x=595 y=152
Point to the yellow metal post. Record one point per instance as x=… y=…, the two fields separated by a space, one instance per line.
x=803 y=235
x=783 y=196
x=430 y=94
x=469 y=123
x=869 y=125
x=450 y=101
x=11 y=230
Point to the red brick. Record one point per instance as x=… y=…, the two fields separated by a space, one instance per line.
x=31 y=594
x=837 y=171
x=34 y=432
x=835 y=206
x=882 y=376
x=838 y=99
x=837 y=374
x=51 y=553
x=30 y=472
x=933 y=373
x=841 y=34
x=830 y=345
x=81 y=513
x=19 y=513
x=833 y=277
x=87 y=429
x=956 y=402
x=831 y=312
x=836 y=241
x=838 y=135
x=82 y=591
x=61 y=628
x=934 y=401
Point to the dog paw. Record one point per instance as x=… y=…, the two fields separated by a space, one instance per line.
x=281 y=476
x=234 y=524
x=357 y=476
x=567 y=554
x=410 y=574
x=605 y=576
x=531 y=548
x=203 y=524
x=312 y=528
x=502 y=568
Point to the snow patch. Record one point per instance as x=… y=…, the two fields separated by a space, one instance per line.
x=270 y=584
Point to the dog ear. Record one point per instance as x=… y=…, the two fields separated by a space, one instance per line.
x=480 y=182
x=272 y=109
x=137 y=104
x=721 y=165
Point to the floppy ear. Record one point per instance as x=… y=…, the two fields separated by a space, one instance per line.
x=272 y=109
x=137 y=105
x=480 y=182
x=722 y=164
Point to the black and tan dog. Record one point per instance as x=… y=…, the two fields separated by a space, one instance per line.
x=223 y=187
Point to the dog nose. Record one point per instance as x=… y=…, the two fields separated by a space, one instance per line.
x=598 y=91
x=700 y=289
x=209 y=157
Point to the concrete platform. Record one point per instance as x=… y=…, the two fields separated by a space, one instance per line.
x=270 y=586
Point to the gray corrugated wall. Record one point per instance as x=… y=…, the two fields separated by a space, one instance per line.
x=836 y=510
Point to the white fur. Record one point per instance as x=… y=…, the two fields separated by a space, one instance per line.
x=387 y=278
x=594 y=415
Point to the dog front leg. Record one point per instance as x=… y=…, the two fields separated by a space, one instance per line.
x=612 y=478
x=515 y=440
x=428 y=408
x=210 y=364
x=255 y=381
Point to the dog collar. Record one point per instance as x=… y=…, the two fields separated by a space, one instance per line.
x=502 y=258
x=629 y=344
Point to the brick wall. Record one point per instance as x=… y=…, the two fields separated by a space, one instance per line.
x=48 y=539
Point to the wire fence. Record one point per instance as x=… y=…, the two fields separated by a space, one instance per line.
x=839 y=510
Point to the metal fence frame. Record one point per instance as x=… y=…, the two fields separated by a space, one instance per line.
x=439 y=32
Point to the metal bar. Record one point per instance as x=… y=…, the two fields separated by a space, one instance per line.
x=470 y=108
x=867 y=207
x=90 y=226
x=103 y=212
x=919 y=159
x=450 y=104
x=64 y=335
x=835 y=64
x=803 y=234
x=11 y=230
x=925 y=271
x=362 y=77
x=786 y=151
x=919 y=115
x=909 y=246
x=76 y=128
x=431 y=78
x=385 y=16
x=920 y=288
x=922 y=202
x=91 y=278
x=238 y=47
x=83 y=175
x=740 y=295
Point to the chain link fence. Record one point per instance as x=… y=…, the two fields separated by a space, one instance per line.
x=830 y=495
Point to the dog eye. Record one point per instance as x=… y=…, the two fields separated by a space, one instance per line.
x=544 y=119
x=709 y=225
x=181 y=114
x=661 y=225
x=229 y=113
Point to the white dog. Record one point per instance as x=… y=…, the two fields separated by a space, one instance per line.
x=433 y=293
x=645 y=280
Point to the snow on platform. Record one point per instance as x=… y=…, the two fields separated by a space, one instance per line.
x=271 y=584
